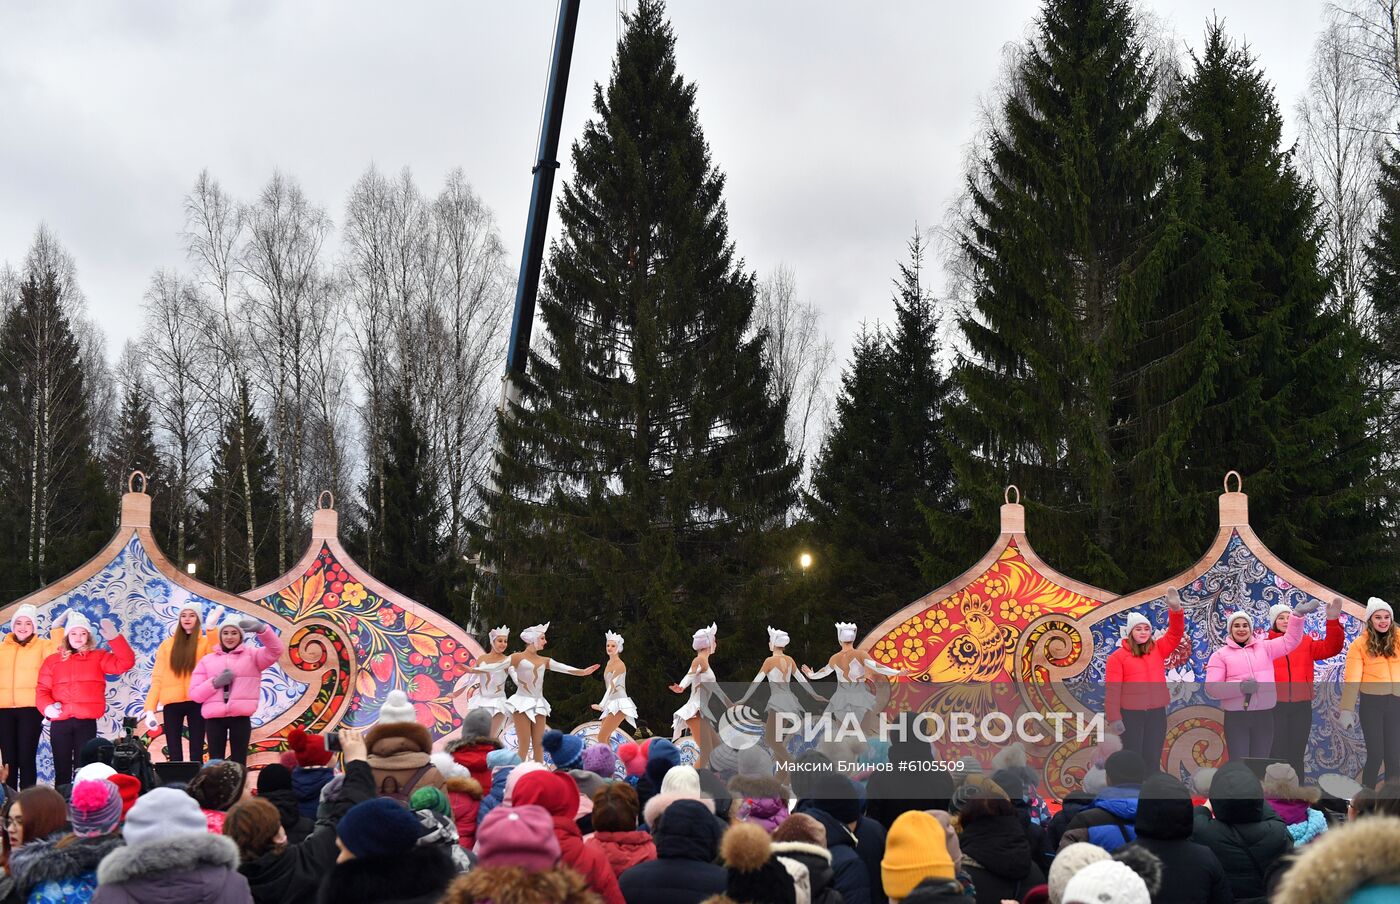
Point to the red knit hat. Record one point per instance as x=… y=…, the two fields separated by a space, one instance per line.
x=309 y=749
x=556 y=792
x=129 y=786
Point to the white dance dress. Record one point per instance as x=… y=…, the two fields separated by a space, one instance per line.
x=528 y=699
x=702 y=687
x=615 y=699
x=491 y=688
x=781 y=699
x=853 y=695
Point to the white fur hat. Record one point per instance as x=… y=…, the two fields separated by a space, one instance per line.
x=29 y=612
x=502 y=631
x=614 y=637
x=1236 y=616
x=1276 y=610
x=704 y=638
x=1134 y=619
x=534 y=633
x=1376 y=604
x=76 y=619
x=396 y=708
x=846 y=632
x=777 y=638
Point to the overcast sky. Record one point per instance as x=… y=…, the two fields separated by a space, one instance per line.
x=839 y=125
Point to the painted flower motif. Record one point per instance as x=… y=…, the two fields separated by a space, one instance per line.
x=388 y=616
x=146 y=633
x=914 y=625
x=1012 y=610
x=995 y=587
x=157 y=592
x=937 y=621
x=353 y=593
x=912 y=648
x=885 y=651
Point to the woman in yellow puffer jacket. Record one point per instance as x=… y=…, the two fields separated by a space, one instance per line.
x=22 y=652
x=1373 y=673
x=170 y=681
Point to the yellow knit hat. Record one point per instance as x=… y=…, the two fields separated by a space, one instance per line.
x=915 y=850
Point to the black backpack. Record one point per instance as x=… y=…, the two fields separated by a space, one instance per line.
x=130 y=757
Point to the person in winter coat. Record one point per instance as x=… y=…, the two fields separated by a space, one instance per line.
x=1244 y=832
x=758 y=795
x=1293 y=675
x=226 y=683
x=275 y=787
x=1136 y=681
x=72 y=687
x=501 y=763
x=1372 y=672
x=381 y=861
x=754 y=874
x=684 y=872
x=833 y=793
x=1191 y=873
x=1293 y=803
x=1240 y=675
x=1351 y=864
x=279 y=872
x=169 y=858
x=518 y=863
x=615 y=832
x=1109 y=820
x=35 y=813
x=64 y=870
x=434 y=812
x=400 y=750
x=464 y=796
x=1011 y=782
x=216 y=788
x=22 y=654
x=1074 y=803
x=889 y=794
x=995 y=851
x=475 y=745
x=188 y=643
x=801 y=838
x=917 y=865
x=557 y=793
x=307 y=757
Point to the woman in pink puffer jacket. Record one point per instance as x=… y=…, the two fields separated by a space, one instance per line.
x=1241 y=676
x=227 y=681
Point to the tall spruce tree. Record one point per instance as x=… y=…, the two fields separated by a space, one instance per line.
x=240 y=560
x=1383 y=288
x=885 y=460
x=1064 y=228
x=646 y=462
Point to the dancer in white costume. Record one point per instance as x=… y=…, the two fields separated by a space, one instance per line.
x=853 y=695
x=528 y=706
x=489 y=691
x=701 y=681
x=615 y=705
x=779 y=670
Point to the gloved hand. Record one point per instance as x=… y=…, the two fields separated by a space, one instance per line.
x=108 y=630
x=1308 y=605
x=250 y=625
x=223 y=679
x=1116 y=726
x=53 y=711
x=1334 y=608
x=1174 y=602
x=150 y=719
x=1347 y=720
x=1249 y=686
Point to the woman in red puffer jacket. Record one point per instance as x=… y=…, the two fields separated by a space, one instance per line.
x=72 y=688
x=1293 y=677
x=558 y=794
x=615 y=832
x=1136 y=682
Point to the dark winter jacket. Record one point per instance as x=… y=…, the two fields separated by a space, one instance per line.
x=939 y=891
x=851 y=877
x=870 y=845
x=1074 y=803
x=1108 y=821
x=684 y=871
x=819 y=872
x=1244 y=832
x=888 y=795
x=296 y=825
x=48 y=869
x=1191 y=873
x=307 y=782
x=420 y=876
x=196 y=868
x=998 y=857
x=493 y=797
x=292 y=874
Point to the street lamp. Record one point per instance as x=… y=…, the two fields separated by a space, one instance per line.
x=805 y=560
x=190 y=569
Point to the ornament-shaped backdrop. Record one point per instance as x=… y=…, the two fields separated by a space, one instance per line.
x=389 y=640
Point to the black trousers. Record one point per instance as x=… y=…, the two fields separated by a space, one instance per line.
x=67 y=737
x=1144 y=732
x=229 y=734
x=176 y=716
x=1292 y=725
x=1380 y=727
x=1249 y=733
x=20 y=727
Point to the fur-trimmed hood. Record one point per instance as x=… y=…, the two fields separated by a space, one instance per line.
x=464 y=785
x=514 y=885
x=473 y=741
x=390 y=738
x=177 y=853
x=1342 y=860
x=745 y=786
x=44 y=861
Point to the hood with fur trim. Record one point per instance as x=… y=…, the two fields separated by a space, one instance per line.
x=744 y=786
x=459 y=784
x=388 y=739
x=177 y=853
x=43 y=860
x=515 y=885
x=1343 y=860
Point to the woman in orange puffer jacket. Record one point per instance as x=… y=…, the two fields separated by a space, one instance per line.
x=1136 y=694
x=22 y=653
x=72 y=688
x=170 y=682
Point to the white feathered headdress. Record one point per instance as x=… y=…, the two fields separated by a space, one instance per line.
x=502 y=631
x=534 y=633
x=777 y=638
x=613 y=637
x=846 y=632
x=705 y=637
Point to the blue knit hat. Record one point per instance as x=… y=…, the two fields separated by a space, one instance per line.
x=379 y=827
x=502 y=759
x=564 y=749
x=661 y=756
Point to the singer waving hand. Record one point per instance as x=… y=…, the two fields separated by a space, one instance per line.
x=1371 y=672
x=226 y=681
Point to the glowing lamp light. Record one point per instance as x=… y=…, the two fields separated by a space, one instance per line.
x=805 y=560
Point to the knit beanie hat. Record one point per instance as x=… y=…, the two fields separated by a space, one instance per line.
x=915 y=849
x=801 y=828
x=516 y=774
x=162 y=812
x=97 y=750
x=1069 y=861
x=94 y=809
x=724 y=759
x=681 y=781
x=600 y=760
x=274 y=777
x=218 y=785
x=661 y=756
x=756 y=762
x=502 y=759
x=1134 y=619
x=94 y=772
x=1376 y=604
x=1236 y=616
x=1125 y=768
x=308 y=749
x=754 y=874
x=835 y=796
x=26 y=611
x=517 y=836
x=379 y=827
x=396 y=708
x=564 y=750
x=75 y=621
x=1094 y=781
x=430 y=798
x=1200 y=782
x=1275 y=611
x=477 y=724
x=554 y=791
x=588 y=783
x=129 y=787
x=1106 y=882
